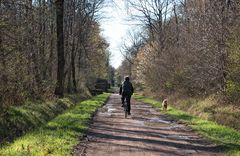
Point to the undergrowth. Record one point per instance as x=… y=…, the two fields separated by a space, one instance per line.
x=225 y=137
x=17 y=120
x=210 y=109
x=59 y=136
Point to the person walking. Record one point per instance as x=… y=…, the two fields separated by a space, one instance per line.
x=126 y=90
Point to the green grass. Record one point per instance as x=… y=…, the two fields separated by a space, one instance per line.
x=18 y=120
x=209 y=108
x=59 y=136
x=225 y=137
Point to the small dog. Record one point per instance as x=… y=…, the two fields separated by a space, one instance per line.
x=165 y=104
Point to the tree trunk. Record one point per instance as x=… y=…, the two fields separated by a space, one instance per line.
x=73 y=69
x=51 y=55
x=69 y=84
x=59 y=90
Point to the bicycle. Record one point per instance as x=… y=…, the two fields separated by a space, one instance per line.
x=125 y=105
x=125 y=108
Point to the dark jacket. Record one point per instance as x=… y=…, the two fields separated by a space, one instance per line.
x=126 y=88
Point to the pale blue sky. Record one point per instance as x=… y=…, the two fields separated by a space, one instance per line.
x=115 y=29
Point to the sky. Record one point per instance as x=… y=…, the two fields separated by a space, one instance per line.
x=115 y=29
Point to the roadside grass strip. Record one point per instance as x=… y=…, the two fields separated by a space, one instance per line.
x=59 y=136
x=225 y=137
x=15 y=121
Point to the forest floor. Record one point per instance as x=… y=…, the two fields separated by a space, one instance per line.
x=146 y=132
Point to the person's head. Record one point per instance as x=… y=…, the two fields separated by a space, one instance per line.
x=127 y=78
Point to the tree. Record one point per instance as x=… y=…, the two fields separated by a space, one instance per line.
x=34 y=55
x=59 y=90
x=187 y=45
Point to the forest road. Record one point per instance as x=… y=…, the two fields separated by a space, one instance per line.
x=146 y=132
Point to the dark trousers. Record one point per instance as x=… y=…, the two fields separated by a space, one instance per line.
x=127 y=97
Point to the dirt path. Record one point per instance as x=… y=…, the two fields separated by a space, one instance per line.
x=145 y=133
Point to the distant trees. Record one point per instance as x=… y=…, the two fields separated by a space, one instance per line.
x=190 y=46
x=49 y=46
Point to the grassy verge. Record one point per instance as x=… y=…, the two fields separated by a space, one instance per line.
x=15 y=121
x=58 y=136
x=209 y=108
x=225 y=137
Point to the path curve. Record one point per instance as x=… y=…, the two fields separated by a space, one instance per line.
x=146 y=132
